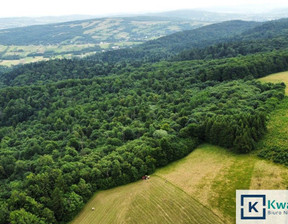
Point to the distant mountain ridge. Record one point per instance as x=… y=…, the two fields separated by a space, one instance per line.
x=114 y=29
x=202 y=14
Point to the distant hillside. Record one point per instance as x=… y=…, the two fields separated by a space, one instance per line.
x=82 y=38
x=202 y=36
x=267 y=30
x=170 y=45
x=220 y=40
x=136 y=29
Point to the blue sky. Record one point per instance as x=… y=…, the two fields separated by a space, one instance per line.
x=12 y=8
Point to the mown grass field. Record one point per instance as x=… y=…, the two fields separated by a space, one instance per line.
x=209 y=175
x=151 y=201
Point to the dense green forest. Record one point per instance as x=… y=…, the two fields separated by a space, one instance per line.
x=233 y=49
x=71 y=127
x=61 y=142
x=4 y=69
x=255 y=65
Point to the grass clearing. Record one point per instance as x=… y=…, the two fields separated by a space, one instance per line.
x=277 y=77
x=274 y=144
x=277 y=135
